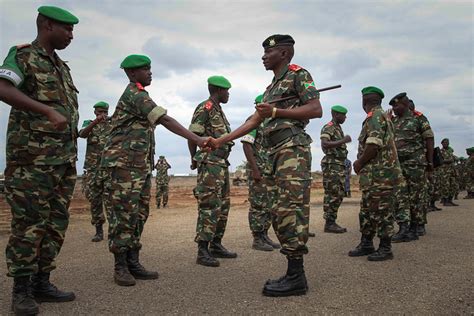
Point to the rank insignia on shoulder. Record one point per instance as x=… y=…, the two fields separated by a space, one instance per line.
x=330 y=123
x=208 y=105
x=370 y=114
x=139 y=86
x=417 y=113
x=294 y=67
x=22 y=46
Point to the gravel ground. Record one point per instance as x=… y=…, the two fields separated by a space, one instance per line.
x=431 y=276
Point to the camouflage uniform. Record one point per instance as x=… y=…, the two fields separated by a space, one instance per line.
x=128 y=159
x=333 y=166
x=447 y=175
x=162 y=181
x=379 y=176
x=470 y=175
x=213 y=187
x=96 y=176
x=347 y=175
x=40 y=173
x=290 y=159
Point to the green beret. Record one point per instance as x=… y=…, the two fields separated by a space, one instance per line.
x=58 y=14
x=101 y=104
x=339 y=109
x=278 y=40
x=369 y=90
x=259 y=99
x=397 y=98
x=219 y=81
x=135 y=61
x=162 y=157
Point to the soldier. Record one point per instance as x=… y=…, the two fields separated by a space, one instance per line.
x=96 y=132
x=128 y=158
x=379 y=173
x=334 y=147
x=414 y=140
x=258 y=169
x=470 y=173
x=347 y=175
x=447 y=174
x=289 y=155
x=212 y=189
x=162 y=181
x=41 y=152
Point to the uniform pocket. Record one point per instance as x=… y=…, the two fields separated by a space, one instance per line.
x=48 y=87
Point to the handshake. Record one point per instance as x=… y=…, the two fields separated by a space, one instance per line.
x=209 y=144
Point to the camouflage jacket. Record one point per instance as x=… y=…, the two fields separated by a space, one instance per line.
x=337 y=155
x=131 y=143
x=469 y=169
x=31 y=138
x=292 y=81
x=95 y=143
x=255 y=138
x=448 y=157
x=209 y=120
x=411 y=131
x=162 y=167
x=383 y=171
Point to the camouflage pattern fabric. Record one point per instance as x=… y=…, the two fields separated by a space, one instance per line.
x=470 y=174
x=461 y=174
x=162 y=180
x=347 y=175
x=447 y=174
x=401 y=203
x=95 y=143
x=96 y=195
x=376 y=216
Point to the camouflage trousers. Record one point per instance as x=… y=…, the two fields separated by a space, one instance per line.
x=162 y=190
x=212 y=193
x=95 y=188
x=401 y=203
x=128 y=205
x=411 y=195
x=39 y=197
x=376 y=213
x=333 y=183
x=434 y=190
x=447 y=181
x=260 y=216
x=290 y=184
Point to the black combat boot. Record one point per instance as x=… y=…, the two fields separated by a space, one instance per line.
x=269 y=241
x=444 y=201
x=332 y=227
x=364 y=248
x=259 y=243
x=349 y=194
x=122 y=276
x=413 y=232
x=204 y=257
x=384 y=252
x=402 y=235
x=293 y=283
x=45 y=291
x=451 y=203
x=136 y=269
x=456 y=196
x=99 y=234
x=219 y=251
x=23 y=302
x=434 y=207
x=421 y=231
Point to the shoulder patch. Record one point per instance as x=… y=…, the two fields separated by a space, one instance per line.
x=139 y=86
x=208 y=105
x=294 y=67
x=330 y=123
x=370 y=114
x=23 y=46
x=417 y=113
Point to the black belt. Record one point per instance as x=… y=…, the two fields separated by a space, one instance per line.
x=280 y=135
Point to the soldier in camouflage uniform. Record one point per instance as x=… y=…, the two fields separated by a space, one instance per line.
x=128 y=159
x=162 y=181
x=213 y=184
x=347 y=175
x=289 y=155
x=379 y=174
x=462 y=175
x=96 y=131
x=258 y=171
x=414 y=140
x=333 y=142
x=469 y=169
x=41 y=153
x=447 y=174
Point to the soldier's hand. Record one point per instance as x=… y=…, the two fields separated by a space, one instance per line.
x=357 y=166
x=429 y=175
x=203 y=143
x=57 y=119
x=214 y=143
x=257 y=177
x=347 y=139
x=100 y=118
x=193 y=165
x=264 y=109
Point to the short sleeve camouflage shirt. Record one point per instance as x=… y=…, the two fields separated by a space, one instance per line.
x=337 y=155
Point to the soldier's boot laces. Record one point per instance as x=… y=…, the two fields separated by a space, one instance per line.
x=136 y=269
x=122 y=276
x=293 y=283
x=45 y=291
x=413 y=232
x=204 y=257
x=421 y=230
x=259 y=243
x=364 y=248
x=99 y=234
x=333 y=227
x=219 y=251
x=23 y=302
x=384 y=252
x=402 y=235
x=269 y=241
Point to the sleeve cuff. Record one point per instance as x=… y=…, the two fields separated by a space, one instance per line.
x=156 y=114
x=375 y=141
x=325 y=136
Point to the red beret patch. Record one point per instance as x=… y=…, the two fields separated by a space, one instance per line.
x=208 y=105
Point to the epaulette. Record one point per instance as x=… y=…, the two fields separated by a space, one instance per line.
x=417 y=113
x=208 y=105
x=370 y=114
x=139 y=86
x=294 y=67
x=330 y=123
x=23 y=46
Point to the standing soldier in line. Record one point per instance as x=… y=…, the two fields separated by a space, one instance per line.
x=258 y=171
x=289 y=155
x=41 y=154
x=213 y=185
x=128 y=157
x=448 y=174
x=470 y=173
x=334 y=147
x=96 y=132
x=414 y=140
x=162 y=181
x=379 y=174
x=347 y=175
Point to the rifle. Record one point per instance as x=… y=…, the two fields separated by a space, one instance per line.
x=295 y=96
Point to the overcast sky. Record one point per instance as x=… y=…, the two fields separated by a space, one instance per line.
x=424 y=48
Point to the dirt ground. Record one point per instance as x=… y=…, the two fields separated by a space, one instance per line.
x=431 y=276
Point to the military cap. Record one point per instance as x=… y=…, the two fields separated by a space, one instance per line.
x=339 y=109
x=278 y=40
x=397 y=98
x=370 y=89
x=219 y=81
x=447 y=139
x=162 y=157
x=259 y=99
x=58 y=14
x=101 y=105
x=135 y=61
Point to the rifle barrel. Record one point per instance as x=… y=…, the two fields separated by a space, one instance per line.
x=294 y=96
